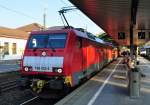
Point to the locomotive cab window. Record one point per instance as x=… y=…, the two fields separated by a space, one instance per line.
x=47 y=41
x=57 y=41
x=37 y=41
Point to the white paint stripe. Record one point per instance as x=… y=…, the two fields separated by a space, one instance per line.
x=10 y=69
x=10 y=64
x=145 y=63
x=146 y=60
x=142 y=58
x=91 y=102
x=13 y=68
x=29 y=100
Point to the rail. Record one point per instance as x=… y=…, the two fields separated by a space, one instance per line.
x=5 y=86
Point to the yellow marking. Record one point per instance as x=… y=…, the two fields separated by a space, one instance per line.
x=68 y=80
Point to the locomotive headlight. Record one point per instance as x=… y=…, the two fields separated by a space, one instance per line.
x=59 y=70
x=26 y=69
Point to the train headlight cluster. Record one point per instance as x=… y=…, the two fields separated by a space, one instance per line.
x=26 y=68
x=57 y=70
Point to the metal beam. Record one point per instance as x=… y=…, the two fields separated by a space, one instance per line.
x=134 y=6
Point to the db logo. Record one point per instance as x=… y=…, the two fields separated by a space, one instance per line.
x=43 y=53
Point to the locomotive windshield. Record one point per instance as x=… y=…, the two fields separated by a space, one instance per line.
x=47 y=41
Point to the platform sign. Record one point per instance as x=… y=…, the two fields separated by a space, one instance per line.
x=121 y=35
x=141 y=35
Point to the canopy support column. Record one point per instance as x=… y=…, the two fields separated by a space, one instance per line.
x=134 y=74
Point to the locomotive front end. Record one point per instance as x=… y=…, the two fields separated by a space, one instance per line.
x=43 y=62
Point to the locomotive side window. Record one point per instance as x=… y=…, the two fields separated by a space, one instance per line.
x=79 y=42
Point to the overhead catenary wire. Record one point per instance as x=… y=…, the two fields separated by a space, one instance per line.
x=82 y=20
x=64 y=3
x=17 y=12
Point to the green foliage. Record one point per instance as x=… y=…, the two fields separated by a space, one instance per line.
x=106 y=38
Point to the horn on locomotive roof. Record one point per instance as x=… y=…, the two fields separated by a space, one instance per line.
x=64 y=10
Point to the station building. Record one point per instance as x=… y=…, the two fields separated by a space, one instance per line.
x=13 y=41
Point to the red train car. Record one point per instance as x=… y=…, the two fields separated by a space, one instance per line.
x=60 y=58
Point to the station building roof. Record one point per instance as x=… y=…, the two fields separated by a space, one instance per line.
x=13 y=33
x=30 y=27
x=20 y=32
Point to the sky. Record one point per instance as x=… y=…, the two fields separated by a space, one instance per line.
x=16 y=13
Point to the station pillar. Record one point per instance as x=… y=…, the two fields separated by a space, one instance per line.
x=134 y=86
x=134 y=72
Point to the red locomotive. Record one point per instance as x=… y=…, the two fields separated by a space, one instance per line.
x=60 y=58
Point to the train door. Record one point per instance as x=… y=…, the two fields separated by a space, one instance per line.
x=89 y=55
x=77 y=63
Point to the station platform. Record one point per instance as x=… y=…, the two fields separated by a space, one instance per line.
x=109 y=87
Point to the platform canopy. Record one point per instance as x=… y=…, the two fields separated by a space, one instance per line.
x=115 y=16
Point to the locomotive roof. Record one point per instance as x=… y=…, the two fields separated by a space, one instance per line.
x=79 y=32
x=90 y=36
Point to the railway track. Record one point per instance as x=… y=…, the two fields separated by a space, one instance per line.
x=5 y=86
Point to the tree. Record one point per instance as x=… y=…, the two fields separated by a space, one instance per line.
x=106 y=37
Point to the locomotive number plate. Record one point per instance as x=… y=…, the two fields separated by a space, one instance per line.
x=38 y=68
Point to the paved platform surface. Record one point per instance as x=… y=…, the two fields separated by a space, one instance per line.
x=109 y=87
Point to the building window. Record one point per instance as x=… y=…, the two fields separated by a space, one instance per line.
x=14 y=48
x=141 y=35
x=6 y=48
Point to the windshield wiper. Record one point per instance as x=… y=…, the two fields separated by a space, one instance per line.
x=34 y=49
